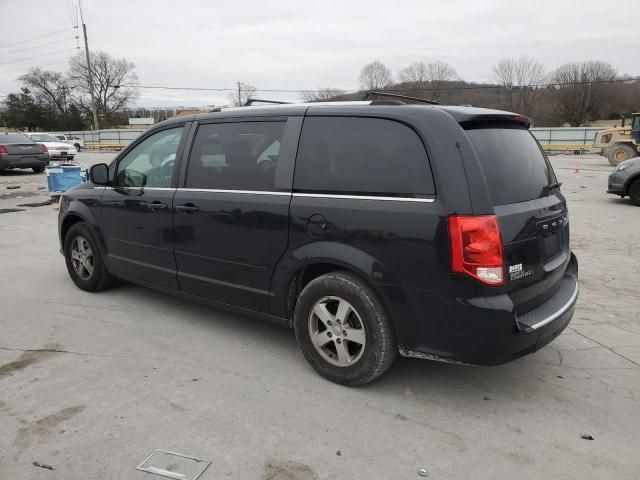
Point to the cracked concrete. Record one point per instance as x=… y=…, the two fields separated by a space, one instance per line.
x=95 y=382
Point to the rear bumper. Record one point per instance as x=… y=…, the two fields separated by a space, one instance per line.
x=15 y=161
x=54 y=154
x=485 y=331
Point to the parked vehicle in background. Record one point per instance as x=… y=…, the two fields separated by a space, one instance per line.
x=620 y=143
x=78 y=143
x=19 y=151
x=625 y=180
x=57 y=149
x=370 y=228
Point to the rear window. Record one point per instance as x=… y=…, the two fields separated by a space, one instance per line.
x=14 y=138
x=361 y=156
x=515 y=168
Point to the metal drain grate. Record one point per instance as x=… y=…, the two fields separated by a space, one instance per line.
x=173 y=465
x=11 y=210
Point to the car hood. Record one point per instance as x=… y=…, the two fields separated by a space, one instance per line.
x=634 y=162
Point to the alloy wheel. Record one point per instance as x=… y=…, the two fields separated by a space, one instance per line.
x=82 y=257
x=337 y=331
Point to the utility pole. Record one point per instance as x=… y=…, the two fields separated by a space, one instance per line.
x=239 y=94
x=86 y=51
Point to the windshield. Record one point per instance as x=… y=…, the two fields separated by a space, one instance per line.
x=14 y=138
x=515 y=167
x=44 y=137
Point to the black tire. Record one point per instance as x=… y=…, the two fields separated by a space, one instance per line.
x=38 y=169
x=380 y=349
x=77 y=145
x=634 y=192
x=100 y=278
x=620 y=152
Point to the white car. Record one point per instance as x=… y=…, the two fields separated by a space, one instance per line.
x=57 y=149
x=75 y=141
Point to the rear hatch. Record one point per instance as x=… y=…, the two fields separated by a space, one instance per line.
x=531 y=211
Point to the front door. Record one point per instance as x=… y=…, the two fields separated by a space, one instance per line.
x=137 y=210
x=231 y=216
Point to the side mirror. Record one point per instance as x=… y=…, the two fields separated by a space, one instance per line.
x=99 y=174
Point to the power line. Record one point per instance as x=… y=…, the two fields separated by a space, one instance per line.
x=35 y=38
x=38 y=56
x=22 y=69
x=407 y=89
x=40 y=45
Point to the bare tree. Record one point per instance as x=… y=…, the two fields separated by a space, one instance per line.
x=47 y=87
x=441 y=72
x=240 y=96
x=581 y=89
x=322 y=95
x=431 y=77
x=375 y=76
x=416 y=75
x=111 y=80
x=521 y=80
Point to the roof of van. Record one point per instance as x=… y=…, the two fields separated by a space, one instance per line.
x=461 y=114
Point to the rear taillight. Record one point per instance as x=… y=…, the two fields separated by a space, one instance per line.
x=44 y=149
x=476 y=248
x=3 y=149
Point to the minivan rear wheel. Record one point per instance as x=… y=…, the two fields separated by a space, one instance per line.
x=84 y=260
x=343 y=329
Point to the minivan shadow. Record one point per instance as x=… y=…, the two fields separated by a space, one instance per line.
x=408 y=377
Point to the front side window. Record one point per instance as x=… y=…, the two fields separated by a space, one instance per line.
x=235 y=156
x=361 y=156
x=150 y=163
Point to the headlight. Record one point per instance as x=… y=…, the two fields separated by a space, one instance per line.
x=622 y=167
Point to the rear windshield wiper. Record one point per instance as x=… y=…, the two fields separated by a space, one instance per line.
x=552 y=186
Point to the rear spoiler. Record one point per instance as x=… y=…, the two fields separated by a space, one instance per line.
x=489 y=120
x=470 y=117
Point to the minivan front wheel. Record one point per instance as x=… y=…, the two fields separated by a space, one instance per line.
x=343 y=329
x=84 y=261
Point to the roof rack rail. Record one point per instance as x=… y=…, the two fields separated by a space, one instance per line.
x=251 y=101
x=371 y=93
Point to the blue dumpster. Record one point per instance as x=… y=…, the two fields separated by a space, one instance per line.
x=61 y=178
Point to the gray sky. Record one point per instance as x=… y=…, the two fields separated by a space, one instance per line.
x=308 y=44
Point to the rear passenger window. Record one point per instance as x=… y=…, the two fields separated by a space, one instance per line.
x=235 y=156
x=361 y=156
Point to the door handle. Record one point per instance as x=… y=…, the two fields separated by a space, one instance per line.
x=187 y=208
x=155 y=205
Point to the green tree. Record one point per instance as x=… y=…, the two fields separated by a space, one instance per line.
x=21 y=110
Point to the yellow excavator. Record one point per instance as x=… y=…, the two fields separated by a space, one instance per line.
x=619 y=143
